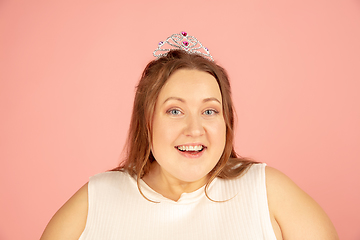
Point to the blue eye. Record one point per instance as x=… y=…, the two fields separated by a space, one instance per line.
x=174 y=111
x=210 y=112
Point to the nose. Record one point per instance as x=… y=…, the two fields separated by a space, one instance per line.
x=194 y=126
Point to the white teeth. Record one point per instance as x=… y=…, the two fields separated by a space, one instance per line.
x=190 y=148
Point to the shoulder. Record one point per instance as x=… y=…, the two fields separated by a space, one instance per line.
x=296 y=213
x=70 y=220
x=111 y=176
x=106 y=182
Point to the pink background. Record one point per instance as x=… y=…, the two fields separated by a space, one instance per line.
x=68 y=71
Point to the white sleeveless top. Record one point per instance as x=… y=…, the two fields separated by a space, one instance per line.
x=117 y=210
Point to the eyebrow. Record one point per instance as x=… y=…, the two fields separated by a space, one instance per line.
x=182 y=100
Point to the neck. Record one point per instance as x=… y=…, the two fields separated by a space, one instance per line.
x=169 y=186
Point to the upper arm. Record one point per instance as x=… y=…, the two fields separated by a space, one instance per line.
x=297 y=214
x=70 y=220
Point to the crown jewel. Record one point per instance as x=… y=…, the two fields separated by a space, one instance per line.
x=184 y=42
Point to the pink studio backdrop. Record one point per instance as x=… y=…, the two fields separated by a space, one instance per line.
x=68 y=71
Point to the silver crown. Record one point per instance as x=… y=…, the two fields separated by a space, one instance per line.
x=184 y=42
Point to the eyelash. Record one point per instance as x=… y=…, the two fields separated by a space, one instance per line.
x=213 y=110
x=171 y=111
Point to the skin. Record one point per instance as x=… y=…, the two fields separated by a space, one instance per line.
x=186 y=116
x=294 y=214
x=70 y=220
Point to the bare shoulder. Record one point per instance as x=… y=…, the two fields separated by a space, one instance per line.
x=70 y=220
x=298 y=216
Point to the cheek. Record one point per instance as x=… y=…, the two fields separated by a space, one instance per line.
x=219 y=138
x=218 y=130
x=164 y=132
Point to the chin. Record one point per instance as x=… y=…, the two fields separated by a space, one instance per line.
x=192 y=177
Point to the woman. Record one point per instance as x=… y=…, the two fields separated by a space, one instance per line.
x=182 y=178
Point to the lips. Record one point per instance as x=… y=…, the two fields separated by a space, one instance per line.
x=191 y=149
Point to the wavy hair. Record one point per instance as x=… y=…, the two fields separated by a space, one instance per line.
x=138 y=155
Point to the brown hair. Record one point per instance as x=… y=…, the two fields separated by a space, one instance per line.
x=138 y=147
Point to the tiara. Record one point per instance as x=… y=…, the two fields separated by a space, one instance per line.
x=184 y=42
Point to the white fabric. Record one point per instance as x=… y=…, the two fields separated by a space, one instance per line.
x=118 y=211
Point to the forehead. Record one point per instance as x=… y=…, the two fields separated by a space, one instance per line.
x=190 y=83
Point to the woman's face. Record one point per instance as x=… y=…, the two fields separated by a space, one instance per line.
x=188 y=127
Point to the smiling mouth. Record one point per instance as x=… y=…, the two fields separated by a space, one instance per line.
x=190 y=149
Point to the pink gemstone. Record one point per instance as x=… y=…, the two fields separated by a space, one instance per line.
x=184 y=34
x=186 y=43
